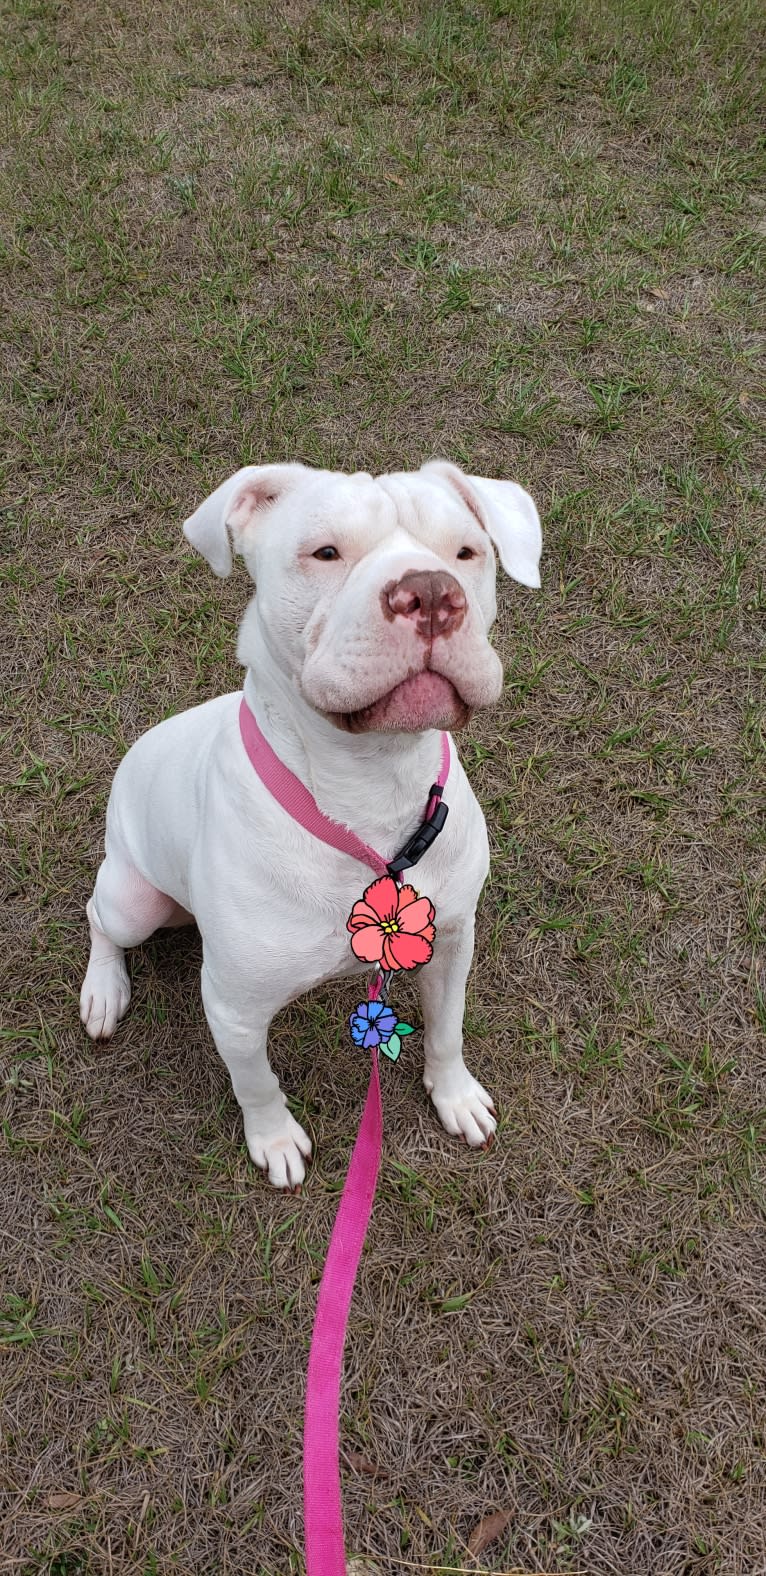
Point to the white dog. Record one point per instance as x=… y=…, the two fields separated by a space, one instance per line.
x=367 y=634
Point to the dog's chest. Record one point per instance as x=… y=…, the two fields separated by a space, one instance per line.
x=273 y=901
x=282 y=916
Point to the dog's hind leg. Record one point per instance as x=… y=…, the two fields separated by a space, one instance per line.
x=124 y=910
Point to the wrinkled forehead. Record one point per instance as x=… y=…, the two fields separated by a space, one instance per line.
x=364 y=511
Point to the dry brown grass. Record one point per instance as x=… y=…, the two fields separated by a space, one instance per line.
x=527 y=237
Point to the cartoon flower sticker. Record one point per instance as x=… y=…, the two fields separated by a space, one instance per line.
x=392 y=926
x=372 y=1023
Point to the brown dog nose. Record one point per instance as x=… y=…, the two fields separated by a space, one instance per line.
x=431 y=599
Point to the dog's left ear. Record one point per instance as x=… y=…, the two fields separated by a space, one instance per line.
x=231 y=512
x=508 y=515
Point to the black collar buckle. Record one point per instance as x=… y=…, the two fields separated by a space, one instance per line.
x=423 y=837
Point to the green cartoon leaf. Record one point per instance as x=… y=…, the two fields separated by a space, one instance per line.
x=392 y=1048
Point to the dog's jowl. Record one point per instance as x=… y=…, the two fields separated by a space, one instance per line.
x=366 y=637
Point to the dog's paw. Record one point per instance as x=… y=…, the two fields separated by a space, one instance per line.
x=463 y=1107
x=104 y=996
x=278 y=1145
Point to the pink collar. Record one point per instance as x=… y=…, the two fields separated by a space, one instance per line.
x=289 y=791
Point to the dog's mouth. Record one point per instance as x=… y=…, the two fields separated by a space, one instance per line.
x=426 y=700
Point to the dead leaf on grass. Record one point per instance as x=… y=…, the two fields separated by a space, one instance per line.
x=486 y=1530
x=63 y=1501
x=362 y=1463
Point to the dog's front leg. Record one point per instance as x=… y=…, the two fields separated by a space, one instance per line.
x=464 y=1108
x=277 y=1143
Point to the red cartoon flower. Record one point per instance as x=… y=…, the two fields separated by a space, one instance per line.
x=391 y=925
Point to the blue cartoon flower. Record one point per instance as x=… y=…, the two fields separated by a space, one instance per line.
x=372 y=1024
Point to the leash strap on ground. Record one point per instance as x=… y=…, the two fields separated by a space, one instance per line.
x=323 y=1514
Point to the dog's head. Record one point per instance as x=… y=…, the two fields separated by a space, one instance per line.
x=376 y=594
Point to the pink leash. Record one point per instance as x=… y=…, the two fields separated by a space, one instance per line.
x=323 y=1511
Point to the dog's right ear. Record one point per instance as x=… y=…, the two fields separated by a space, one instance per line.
x=230 y=513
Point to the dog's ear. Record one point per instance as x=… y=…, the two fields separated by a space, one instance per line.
x=229 y=514
x=507 y=514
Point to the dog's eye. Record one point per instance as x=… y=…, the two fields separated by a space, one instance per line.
x=466 y=552
x=326 y=553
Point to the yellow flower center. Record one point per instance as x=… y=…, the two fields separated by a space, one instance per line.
x=390 y=927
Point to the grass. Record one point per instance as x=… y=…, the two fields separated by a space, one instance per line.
x=530 y=238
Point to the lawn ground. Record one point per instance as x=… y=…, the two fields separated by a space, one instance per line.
x=526 y=237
